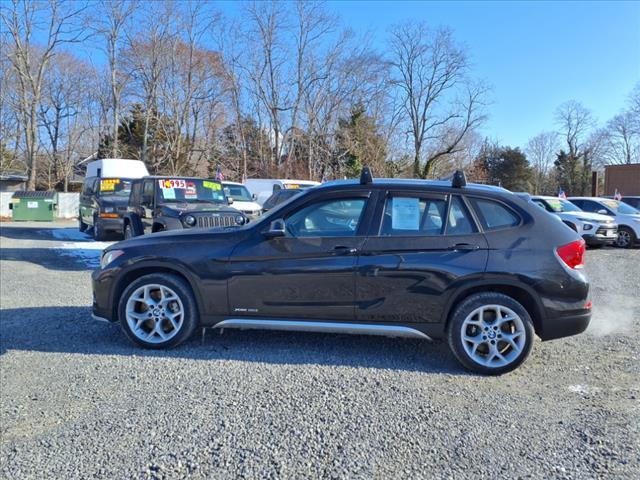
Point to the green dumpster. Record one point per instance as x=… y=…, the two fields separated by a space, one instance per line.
x=37 y=206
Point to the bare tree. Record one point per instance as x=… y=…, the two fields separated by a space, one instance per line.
x=622 y=139
x=541 y=151
x=55 y=22
x=574 y=121
x=111 y=21
x=439 y=103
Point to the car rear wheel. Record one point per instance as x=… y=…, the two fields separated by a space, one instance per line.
x=490 y=333
x=626 y=237
x=158 y=311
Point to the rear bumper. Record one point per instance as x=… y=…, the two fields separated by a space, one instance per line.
x=565 y=326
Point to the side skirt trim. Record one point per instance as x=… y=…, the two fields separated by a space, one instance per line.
x=323 y=327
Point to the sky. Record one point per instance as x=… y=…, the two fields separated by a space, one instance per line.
x=535 y=55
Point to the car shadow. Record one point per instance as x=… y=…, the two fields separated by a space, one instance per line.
x=71 y=330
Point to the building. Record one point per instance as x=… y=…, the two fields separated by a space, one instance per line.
x=12 y=182
x=624 y=178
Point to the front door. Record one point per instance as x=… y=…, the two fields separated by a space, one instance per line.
x=309 y=272
x=423 y=244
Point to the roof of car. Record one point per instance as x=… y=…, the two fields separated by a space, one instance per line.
x=179 y=177
x=588 y=198
x=413 y=182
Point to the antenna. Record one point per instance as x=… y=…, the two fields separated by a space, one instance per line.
x=459 y=179
x=366 y=177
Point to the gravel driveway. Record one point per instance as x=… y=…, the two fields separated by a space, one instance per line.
x=77 y=400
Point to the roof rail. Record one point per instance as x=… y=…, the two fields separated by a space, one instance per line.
x=458 y=180
x=366 y=177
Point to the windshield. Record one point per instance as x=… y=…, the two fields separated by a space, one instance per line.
x=238 y=192
x=619 y=207
x=297 y=185
x=190 y=190
x=559 y=205
x=119 y=187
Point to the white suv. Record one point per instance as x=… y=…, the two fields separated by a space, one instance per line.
x=595 y=228
x=242 y=199
x=627 y=217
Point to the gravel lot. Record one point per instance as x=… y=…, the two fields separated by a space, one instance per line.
x=77 y=400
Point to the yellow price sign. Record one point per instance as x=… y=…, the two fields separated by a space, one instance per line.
x=109 y=184
x=211 y=185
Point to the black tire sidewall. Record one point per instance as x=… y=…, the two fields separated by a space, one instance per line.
x=182 y=289
x=98 y=232
x=128 y=228
x=465 y=308
x=81 y=225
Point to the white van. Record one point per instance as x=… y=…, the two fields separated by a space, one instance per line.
x=263 y=188
x=116 y=168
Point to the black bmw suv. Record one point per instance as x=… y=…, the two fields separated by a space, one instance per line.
x=474 y=264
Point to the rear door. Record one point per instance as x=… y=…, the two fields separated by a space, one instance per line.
x=421 y=245
x=147 y=204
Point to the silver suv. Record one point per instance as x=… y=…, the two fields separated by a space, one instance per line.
x=596 y=229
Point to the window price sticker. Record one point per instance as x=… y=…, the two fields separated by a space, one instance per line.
x=405 y=213
x=211 y=185
x=171 y=183
x=109 y=184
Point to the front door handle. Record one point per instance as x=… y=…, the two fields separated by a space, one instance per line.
x=344 y=250
x=464 y=246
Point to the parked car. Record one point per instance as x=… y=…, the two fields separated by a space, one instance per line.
x=239 y=196
x=263 y=188
x=633 y=201
x=279 y=197
x=627 y=217
x=474 y=264
x=176 y=203
x=105 y=195
x=596 y=229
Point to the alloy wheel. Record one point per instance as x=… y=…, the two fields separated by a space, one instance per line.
x=154 y=313
x=493 y=335
x=624 y=238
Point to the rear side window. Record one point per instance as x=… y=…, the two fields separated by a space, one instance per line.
x=413 y=216
x=494 y=215
x=459 y=222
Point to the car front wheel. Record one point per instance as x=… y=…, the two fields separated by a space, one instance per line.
x=128 y=231
x=158 y=311
x=626 y=238
x=490 y=333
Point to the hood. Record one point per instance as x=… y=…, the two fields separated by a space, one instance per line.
x=179 y=236
x=596 y=217
x=180 y=208
x=246 y=206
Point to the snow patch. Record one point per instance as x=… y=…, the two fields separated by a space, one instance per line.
x=582 y=389
x=87 y=252
x=69 y=234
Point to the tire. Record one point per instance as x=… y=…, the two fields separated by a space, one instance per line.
x=128 y=231
x=154 y=325
x=81 y=225
x=490 y=354
x=626 y=238
x=98 y=232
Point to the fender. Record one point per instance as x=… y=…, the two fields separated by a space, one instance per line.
x=145 y=265
x=136 y=223
x=459 y=291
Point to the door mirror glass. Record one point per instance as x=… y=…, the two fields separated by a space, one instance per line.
x=602 y=211
x=276 y=229
x=230 y=200
x=254 y=197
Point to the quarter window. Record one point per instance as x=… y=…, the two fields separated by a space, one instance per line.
x=494 y=215
x=331 y=218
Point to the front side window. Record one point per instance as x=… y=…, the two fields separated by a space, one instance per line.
x=330 y=218
x=494 y=215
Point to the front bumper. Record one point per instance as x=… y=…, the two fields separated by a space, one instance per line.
x=112 y=224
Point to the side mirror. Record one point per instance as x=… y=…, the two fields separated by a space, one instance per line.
x=276 y=229
x=230 y=200
x=254 y=197
x=602 y=211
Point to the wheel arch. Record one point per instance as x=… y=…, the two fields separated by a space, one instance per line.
x=520 y=292
x=131 y=275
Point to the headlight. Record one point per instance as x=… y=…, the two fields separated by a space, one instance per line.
x=109 y=257
x=587 y=226
x=108 y=209
x=190 y=220
x=240 y=220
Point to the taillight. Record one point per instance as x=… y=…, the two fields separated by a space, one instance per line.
x=572 y=253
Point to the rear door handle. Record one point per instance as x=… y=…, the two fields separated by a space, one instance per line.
x=464 y=246
x=344 y=250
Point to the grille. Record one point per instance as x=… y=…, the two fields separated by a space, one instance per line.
x=216 y=221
